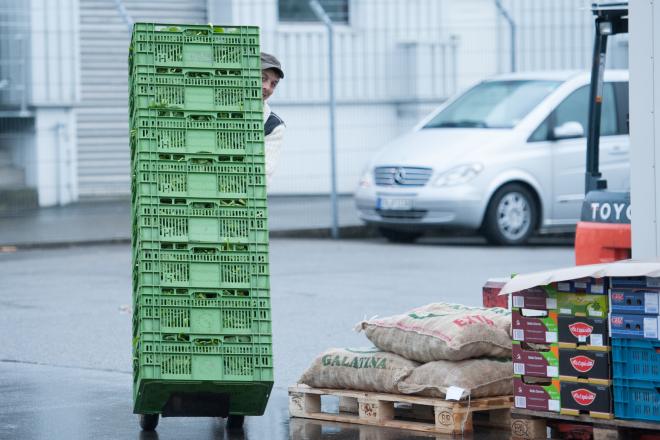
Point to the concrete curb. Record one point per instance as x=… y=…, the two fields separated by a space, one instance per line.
x=345 y=232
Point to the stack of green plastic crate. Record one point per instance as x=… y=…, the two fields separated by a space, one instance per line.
x=202 y=321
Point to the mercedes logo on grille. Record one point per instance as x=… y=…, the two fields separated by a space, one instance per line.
x=400 y=176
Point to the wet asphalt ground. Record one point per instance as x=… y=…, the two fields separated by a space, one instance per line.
x=65 y=323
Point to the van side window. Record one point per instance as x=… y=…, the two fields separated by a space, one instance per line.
x=575 y=108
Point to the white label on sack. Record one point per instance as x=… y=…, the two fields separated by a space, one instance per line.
x=519 y=335
x=597 y=339
x=565 y=311
x=551 y=303
x=518 y=368
x=551 y=336
x=521 y=402
x=651 y=328
x=553 y=405
x=564 y=287
x=597 y=288
x=454 y=393
x=582 y=339
x=553 y=371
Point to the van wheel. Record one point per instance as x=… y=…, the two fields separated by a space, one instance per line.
x=396 y=236
x=511 y=216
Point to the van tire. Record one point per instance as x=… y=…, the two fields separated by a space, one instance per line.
x=511 y=216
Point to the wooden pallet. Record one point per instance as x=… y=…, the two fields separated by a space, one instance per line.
x=533 y=425
x=402 y=411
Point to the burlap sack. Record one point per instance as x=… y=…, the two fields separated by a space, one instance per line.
x=366 y=369
x=442 y=331
x=477 y=377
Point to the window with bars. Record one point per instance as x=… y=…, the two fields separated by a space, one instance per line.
x=299 y=11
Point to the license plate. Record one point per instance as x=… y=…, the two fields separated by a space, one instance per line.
x=394 y=204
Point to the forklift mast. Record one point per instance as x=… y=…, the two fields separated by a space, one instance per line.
x=603 y=232
x=611 y=18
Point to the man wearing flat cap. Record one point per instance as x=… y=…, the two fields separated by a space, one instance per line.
x=271 y=74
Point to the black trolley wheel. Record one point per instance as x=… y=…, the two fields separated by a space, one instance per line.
x=235 y=422
x=148 y=422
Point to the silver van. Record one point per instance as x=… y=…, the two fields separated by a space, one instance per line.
x=506 y=157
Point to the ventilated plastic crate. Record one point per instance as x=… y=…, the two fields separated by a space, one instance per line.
x=194 y=46
x=198 y=177
x=156 y=201
x=637 y=399
x=145 y=161
x=222 y=270
x=636 y=359
x=202 y=221
x=199 y=293
x=221 y=137
x=201 y=90
x=202 y=315
x=204 y=358
x=198 y=249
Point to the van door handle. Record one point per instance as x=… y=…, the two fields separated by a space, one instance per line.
x=618 y=151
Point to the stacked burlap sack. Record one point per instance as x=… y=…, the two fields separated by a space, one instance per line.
x=425 y=352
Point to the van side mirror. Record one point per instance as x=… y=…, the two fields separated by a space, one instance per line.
x=567 y=130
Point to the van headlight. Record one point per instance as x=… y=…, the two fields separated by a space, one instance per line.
x=367 y=178
x=458 y=175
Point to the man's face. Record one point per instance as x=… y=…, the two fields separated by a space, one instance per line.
x=269 y=80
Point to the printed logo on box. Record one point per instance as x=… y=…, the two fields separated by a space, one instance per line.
x=582 y=363
x=580 y=329
x=617 y=320
x=583 y=396
x=618 y=297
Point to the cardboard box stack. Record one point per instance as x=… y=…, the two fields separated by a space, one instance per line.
x=635 y=347
x=561 y=348
x=535 y=349
x=584 y=358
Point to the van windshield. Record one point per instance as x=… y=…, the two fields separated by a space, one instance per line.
x=494 y=104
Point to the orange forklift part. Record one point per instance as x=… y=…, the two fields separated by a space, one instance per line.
x=601 y=242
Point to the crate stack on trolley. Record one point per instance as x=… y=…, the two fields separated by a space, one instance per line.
x=201 y=304
x=587 y=348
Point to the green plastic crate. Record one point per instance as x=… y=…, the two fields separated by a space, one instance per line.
x=157 y=201
x=187 y=135
x=202 y=221
x=144 y=161
x=246 y=398
x=227 y=270
x=198 y=177
x=140 y=291
x=199 y=249
x=194 y=46
x=224 y=361
x=136 y=114
x=199 y=292
x=191 y=315
x=204 y=91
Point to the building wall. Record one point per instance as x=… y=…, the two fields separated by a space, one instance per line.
x=394 y=62
x=102 y=115
x=38 y=91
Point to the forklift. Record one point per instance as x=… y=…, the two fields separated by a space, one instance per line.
x=603 y=233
